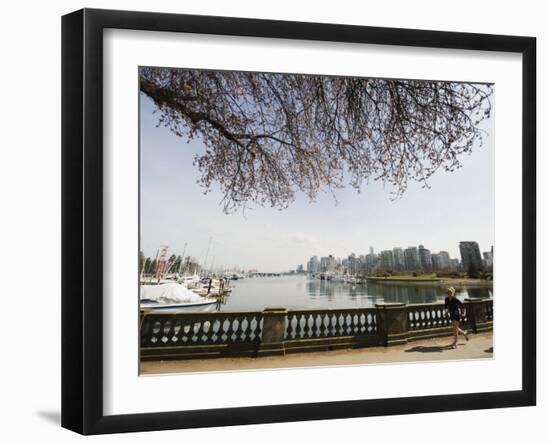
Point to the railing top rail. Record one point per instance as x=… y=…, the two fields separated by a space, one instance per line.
x=331 y=310
x=442 y=302
x=217 y=314
x=156 y=313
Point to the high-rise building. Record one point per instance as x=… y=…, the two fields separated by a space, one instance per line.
x=445 y=259
x=441 y=260
x=412 y=258
x=386 y=260
x=362 y=263
x=327 y=264
x=398 y=259
x=371 y=261
x=455 y=264
x=313 y=265
x=488 y=258
x=436 y=261
x=353 y=264
x=425 y=257
x=344 y=263
x=323 y=264
x=471 y=257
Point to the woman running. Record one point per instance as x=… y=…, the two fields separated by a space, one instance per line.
x=454 y=309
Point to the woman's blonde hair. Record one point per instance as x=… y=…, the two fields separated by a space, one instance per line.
x=451 y=290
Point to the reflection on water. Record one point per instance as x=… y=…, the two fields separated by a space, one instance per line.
x=300 y=292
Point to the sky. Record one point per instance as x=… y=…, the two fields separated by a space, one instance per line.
x=174 y=211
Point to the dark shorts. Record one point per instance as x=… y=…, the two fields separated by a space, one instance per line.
x=455 y=316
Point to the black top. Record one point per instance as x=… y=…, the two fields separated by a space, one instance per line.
x=454 y=305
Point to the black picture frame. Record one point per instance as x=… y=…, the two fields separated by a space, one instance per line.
x=82 y=218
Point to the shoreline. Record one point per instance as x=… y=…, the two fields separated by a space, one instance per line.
x=458 y=282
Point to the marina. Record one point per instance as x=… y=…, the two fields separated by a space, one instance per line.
x=305 y=292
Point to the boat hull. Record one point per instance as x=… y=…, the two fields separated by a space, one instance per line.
x=158 y=306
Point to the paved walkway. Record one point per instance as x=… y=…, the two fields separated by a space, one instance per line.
x=479 y=346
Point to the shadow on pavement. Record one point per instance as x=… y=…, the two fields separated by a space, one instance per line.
x=427 y=349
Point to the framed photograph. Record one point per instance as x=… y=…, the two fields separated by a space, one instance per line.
x=269 y=221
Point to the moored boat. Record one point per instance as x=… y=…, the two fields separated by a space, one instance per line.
x=171 y=296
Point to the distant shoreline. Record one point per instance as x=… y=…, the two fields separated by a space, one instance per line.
x=443 y=282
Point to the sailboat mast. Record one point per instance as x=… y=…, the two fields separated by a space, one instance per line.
x=182 y=263
x=206 y=256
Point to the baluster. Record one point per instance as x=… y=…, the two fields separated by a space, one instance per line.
x=197 y=330
x=314 y=326
x=203 y=331
x=187 y=333
x=253 y=327
x=176 y=331
x=334 y=325
x=166 y=328
x=363 y=322
x=340 y=324
x=330 y=326
x=289 y=329
x=210 y=333
x=369 y=322
x=240 y=329
x=214 y=336
x=307 y=328
x=245 y=326
x=225 y=329
x=235 y=325
x=298 y=327
x=351 y=323
x=323 y=325
x=260 y=327
x=355 y=322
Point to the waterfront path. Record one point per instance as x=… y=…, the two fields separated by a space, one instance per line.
x=479 y=346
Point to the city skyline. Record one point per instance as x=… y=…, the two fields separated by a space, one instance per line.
x=175 y=212
x=397 y=258
x=398 y=251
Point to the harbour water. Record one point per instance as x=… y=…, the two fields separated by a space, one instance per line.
x=302 y=292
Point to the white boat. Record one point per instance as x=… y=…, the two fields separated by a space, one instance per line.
x=189 y=280
x=171 y=296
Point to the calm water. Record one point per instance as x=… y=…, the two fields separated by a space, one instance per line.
x=299 y=292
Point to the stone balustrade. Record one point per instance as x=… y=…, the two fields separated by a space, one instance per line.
x=277 y=331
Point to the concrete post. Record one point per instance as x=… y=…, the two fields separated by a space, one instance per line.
x=392 y=323
x=273 y=332
x=474 y=312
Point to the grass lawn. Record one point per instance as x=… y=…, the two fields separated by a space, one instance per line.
x=409 y=277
